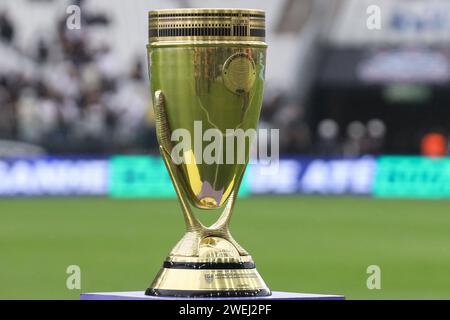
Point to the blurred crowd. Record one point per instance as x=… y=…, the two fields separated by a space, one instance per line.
x=280 y=111
x=326 y=138
x=69 y=95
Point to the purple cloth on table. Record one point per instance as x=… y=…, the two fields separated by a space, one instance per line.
x=139 y=295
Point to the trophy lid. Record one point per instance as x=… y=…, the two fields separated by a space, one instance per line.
x=172 y=25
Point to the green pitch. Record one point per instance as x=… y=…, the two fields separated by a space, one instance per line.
x=303 y=244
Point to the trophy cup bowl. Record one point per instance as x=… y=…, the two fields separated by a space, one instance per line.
x=206 y=72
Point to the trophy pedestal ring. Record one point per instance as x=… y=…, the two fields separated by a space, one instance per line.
x=218 y=271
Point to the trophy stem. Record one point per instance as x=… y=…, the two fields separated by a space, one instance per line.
x=225 y=217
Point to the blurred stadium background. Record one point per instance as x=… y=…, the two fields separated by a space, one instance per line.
x=364 y=174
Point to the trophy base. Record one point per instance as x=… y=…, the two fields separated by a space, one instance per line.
x=208 y=280
x=217 y=270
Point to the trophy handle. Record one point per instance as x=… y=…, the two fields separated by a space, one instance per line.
x=163 y=135
x=196 y=232
x=192 y=223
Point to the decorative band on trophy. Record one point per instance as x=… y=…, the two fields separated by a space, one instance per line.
x=206 y=24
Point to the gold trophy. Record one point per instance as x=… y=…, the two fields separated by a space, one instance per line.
x=206 y=66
